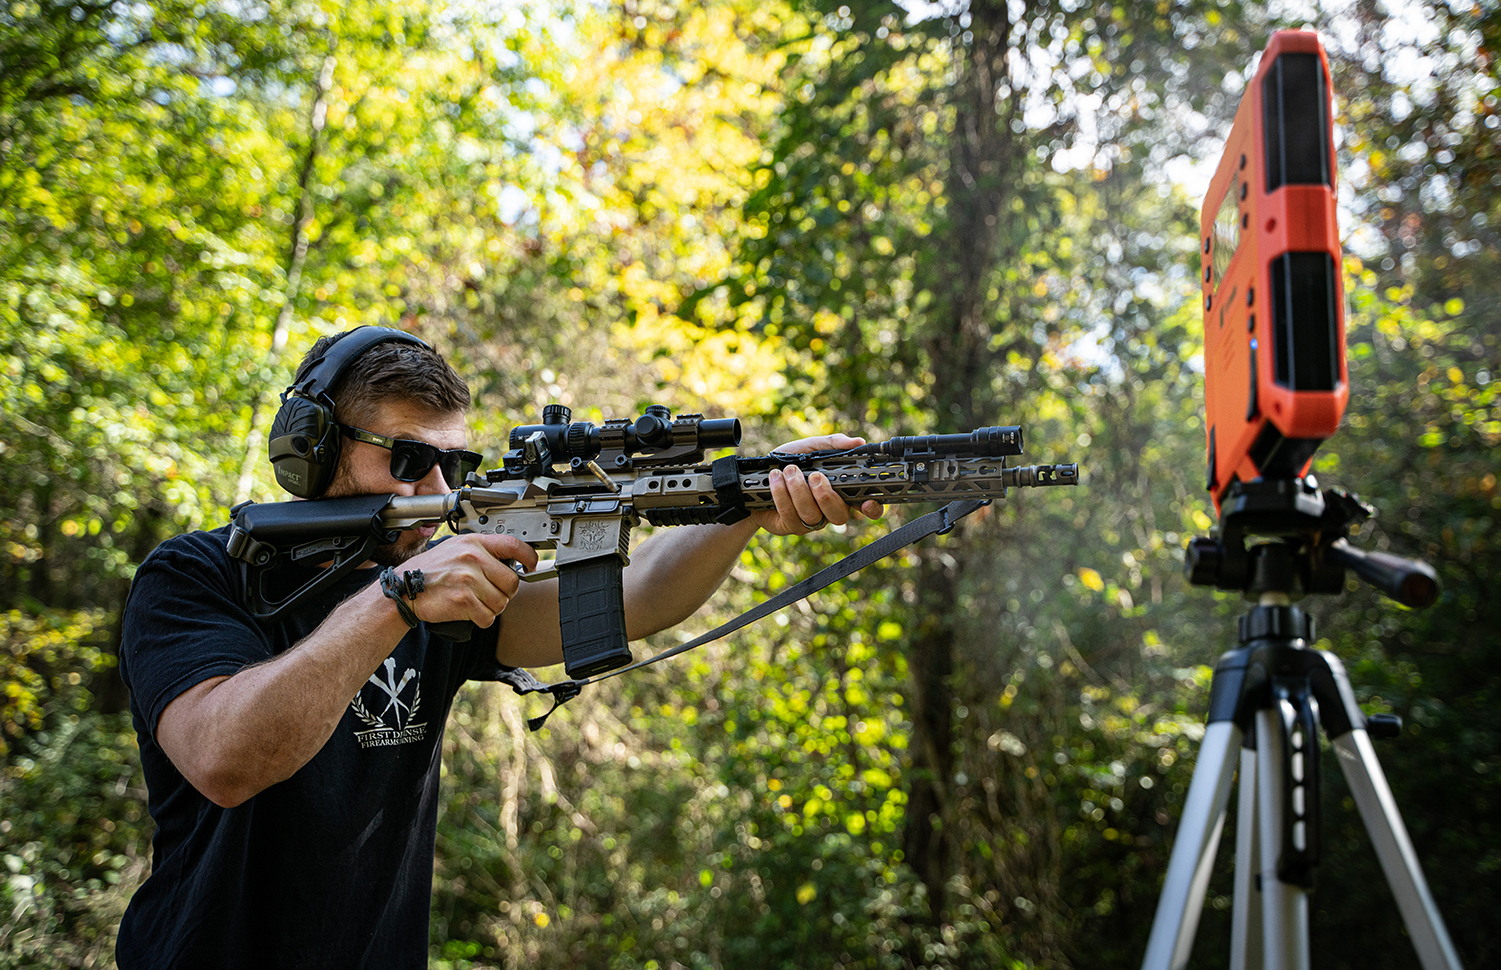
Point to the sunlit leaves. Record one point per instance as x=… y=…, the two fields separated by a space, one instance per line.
x=814 y=217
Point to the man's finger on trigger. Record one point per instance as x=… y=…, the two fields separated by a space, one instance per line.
x=510 y=547
x=505 y=576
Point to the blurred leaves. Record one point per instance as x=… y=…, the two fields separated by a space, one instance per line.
x=814 y=216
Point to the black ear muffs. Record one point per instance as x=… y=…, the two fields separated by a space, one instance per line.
x=304 y=447
x=305 y=438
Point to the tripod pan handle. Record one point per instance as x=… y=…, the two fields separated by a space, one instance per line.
x=1410 y=582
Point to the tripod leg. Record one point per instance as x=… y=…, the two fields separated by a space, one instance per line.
x=1284 y=906
x=1198 y=838
x=1245 y=927
x=1398 y=859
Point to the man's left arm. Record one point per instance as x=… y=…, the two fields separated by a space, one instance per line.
x=674 y=572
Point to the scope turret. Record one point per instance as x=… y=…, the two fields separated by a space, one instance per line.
x=654 y=428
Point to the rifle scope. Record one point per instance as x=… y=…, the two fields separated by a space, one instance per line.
x=654 y=431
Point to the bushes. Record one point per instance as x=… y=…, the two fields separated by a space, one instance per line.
x=74 y=841
x=75 y=833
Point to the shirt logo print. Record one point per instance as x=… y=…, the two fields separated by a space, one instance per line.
x=396 y=722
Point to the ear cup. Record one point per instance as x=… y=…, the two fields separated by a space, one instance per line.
x=304 y=447
x=305 y=439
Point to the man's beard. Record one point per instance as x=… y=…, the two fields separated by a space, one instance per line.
x=398 y=552
x=389 y=553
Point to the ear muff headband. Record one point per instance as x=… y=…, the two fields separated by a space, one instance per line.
x=304 y=440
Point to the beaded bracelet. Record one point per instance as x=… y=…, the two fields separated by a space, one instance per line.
x=393 y=589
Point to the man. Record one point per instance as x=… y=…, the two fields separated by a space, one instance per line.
x=293 y=767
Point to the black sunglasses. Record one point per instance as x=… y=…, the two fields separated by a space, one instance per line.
x=412 y=460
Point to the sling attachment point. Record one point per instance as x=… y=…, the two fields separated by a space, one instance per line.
x=725 y=476
x=562 y=692
x=948 y=524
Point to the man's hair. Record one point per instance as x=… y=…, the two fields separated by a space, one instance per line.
x=390 y=371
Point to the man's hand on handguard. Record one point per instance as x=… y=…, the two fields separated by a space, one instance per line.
x=807 y=503
x=467 y=577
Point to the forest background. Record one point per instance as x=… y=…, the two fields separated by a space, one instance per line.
x=812 y=215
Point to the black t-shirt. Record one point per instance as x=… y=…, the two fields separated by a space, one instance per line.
x=330 y=868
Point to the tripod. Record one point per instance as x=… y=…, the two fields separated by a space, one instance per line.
x=1268 y=699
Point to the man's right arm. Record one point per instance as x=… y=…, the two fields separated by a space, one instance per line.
x=232 y=736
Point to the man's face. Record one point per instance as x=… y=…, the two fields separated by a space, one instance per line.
x=365 y=469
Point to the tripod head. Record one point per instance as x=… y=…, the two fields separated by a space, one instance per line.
x=1309 y=551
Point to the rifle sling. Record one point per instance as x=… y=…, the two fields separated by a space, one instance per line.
x=940 y=522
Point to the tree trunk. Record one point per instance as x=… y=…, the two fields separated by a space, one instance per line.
x=982 y=164
x=110 y=696
x=930 y=664
x=39 y=570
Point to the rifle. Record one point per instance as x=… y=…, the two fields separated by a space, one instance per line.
x=579 y=489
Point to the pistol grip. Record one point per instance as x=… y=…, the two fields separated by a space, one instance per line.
x=459 y=631
x=591 y=609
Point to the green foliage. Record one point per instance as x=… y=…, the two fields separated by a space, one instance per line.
x=752 y=827
x=74 y=840
x=43 y=663
x=815 y=216
x=1425 y=422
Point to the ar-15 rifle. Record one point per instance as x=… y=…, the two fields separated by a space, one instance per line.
x=579 y=488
